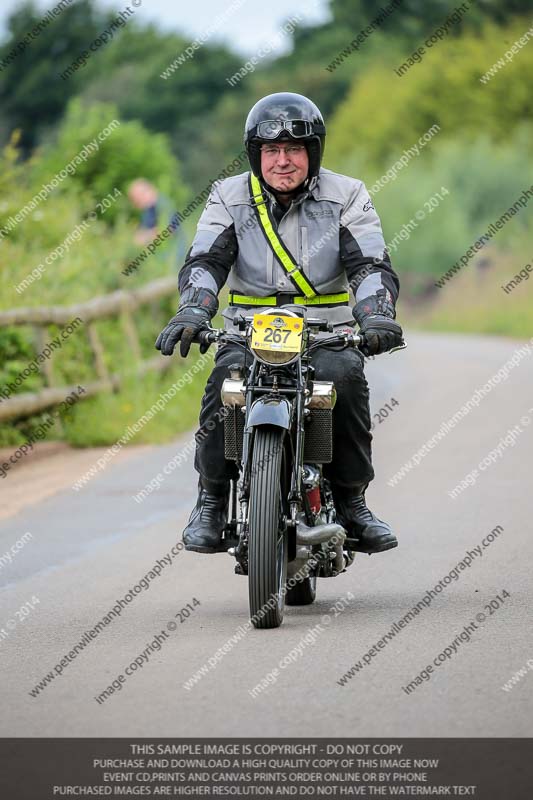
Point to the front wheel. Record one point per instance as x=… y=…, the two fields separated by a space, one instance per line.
x=267 y=539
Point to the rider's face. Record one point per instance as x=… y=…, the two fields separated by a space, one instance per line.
x=284 y=165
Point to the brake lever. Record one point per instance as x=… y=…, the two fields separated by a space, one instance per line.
x=401 y=346
x=240 y=321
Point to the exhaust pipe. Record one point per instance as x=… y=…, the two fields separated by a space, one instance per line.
x=320 y=533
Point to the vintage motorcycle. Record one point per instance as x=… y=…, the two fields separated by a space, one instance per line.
x=278 y=424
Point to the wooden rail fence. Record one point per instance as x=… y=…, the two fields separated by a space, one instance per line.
x=122 y=304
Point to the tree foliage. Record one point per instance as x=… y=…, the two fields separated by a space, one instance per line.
x=413 y=18
x=128 y=152
x=32 y=93
x=384 y=113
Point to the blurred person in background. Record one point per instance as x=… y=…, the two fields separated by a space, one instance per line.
x=143 y=196
x=155 y=210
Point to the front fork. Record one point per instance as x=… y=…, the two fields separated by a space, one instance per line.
x=295 y=495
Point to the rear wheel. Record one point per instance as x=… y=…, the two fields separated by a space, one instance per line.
x=302 y=593
x=267 y=541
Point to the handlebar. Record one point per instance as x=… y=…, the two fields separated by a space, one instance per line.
x=211 y=335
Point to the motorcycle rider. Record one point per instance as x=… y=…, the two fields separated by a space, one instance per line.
x=328 y=223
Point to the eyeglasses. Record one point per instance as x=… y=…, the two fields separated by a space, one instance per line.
x=272 y=128
x=290 y=150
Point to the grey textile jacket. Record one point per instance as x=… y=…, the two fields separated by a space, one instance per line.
x=331 y=228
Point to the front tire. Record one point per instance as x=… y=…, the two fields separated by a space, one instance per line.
x=267 y=541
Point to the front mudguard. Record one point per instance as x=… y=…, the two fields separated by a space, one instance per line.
x=275 y=411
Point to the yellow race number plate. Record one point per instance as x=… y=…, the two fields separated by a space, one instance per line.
x=276 y=332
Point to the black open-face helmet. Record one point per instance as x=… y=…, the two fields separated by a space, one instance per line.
x=285 y=115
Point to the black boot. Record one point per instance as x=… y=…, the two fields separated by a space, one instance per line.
x=373 y=535
x=206 y=524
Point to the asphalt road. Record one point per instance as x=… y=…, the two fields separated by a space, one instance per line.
x=89 y=548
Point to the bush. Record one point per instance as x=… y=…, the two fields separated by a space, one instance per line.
x=475 y=301
x=470 y=171
x=92 y=265
x=384 y=113
x=128 y=152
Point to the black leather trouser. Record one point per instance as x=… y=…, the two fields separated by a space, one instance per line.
x=352 y=455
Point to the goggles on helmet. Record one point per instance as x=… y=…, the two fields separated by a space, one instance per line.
x=297 y=128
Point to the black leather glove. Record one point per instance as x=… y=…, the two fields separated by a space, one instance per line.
x=197 y=308
x=375 y=317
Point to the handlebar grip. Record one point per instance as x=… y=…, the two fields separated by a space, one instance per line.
x=205 y=337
